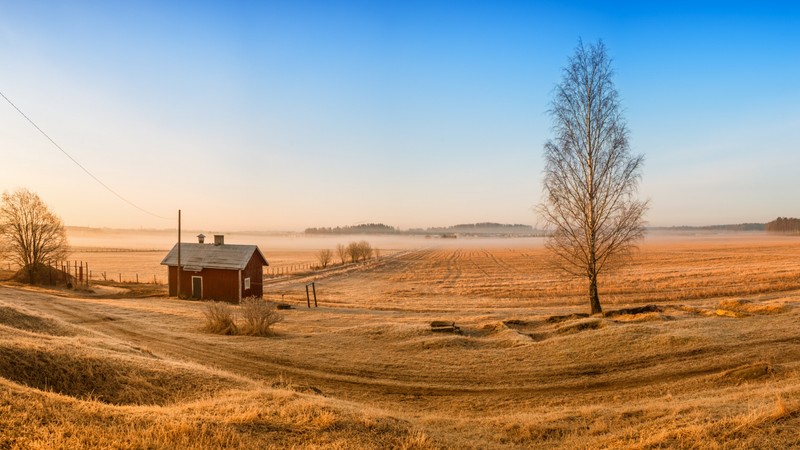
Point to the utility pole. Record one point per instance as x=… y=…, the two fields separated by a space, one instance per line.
x=178 y=284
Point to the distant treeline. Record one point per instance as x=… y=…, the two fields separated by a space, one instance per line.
x=779 y=225
x=729 y=227
x=484 y=228
x=784 y=225
x=366 y=228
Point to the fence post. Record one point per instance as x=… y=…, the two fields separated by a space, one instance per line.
x=308 y=299
x=314 y=287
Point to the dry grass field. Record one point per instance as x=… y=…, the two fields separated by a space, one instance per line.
x=699 y=348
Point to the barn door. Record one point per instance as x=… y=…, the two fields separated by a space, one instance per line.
x=197 y=287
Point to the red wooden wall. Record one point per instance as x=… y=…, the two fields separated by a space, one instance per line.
x=220 y=284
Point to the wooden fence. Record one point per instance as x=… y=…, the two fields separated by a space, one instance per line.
x=78 y=273
x=289 y=269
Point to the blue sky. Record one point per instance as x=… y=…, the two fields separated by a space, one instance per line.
x=285 y=115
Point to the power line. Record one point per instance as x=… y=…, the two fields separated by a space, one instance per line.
x=79 y=164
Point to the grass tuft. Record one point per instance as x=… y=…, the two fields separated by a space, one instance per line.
x=219 y=319
x=258 y=316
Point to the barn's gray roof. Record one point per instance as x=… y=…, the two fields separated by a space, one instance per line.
x=210 y=256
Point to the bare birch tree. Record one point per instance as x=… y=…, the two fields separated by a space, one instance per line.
x=590 y=176
x=30 y=233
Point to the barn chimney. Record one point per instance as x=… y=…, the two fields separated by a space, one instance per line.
x=219 y=239
x=201 y=238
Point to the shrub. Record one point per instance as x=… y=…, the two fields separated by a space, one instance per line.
x=258 y=316
x=220 y=319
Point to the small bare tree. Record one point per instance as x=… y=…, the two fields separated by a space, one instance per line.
x=359 y=251
x=353 y=251
x=324 y=257
x=341 y=252
x=364 y=250
x=29 y=232
x=590 y=175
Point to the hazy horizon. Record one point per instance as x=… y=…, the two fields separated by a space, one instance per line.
x=243 y=231
x=283 y=116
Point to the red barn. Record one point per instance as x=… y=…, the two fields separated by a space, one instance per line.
x=216 y=271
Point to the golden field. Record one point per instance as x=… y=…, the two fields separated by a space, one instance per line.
x=699 y=348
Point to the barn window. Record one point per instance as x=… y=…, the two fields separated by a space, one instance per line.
x=247 y=283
